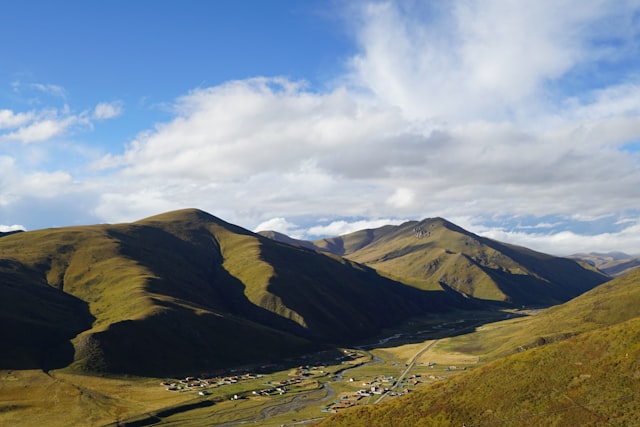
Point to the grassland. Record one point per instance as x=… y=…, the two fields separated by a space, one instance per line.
x=574 y=364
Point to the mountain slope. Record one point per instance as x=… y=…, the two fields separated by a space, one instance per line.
x=590 y=378
x=184 y=292
x=436 y=254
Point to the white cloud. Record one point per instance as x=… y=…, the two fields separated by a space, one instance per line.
x=338 y=228
x=40 y=125
x=401 y=198
x=271 y=144
x=18 y=184
x=50 y=89
x=54 y=90
x=126 y=207
x=45 y=184
x=107 y=110
x=567 y=243
x=38 y=131
x=280 y=225
x=9 y=119
x=463 y=60
x=31 y=196
x=8 y=228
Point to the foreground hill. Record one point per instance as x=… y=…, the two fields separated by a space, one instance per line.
x=435 y=254
x=591 y=377
x=183 y=292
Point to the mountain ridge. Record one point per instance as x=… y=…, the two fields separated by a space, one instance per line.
x=437 y=254
x=185 y=291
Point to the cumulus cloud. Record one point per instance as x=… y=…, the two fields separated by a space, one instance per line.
x=269 y=143
x=10 y=119
x=39 y=130
x=46 y=124
x=463 y=60
x=17 y=183
x=38 y=125
x=134 y=205
x=107 y=110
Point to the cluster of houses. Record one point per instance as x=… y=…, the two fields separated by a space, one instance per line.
x=204 y=381
x=374 y=387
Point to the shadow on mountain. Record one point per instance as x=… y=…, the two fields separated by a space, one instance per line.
x=575 y=280
x=38 y=321
x=343 y=301
x=201 y=318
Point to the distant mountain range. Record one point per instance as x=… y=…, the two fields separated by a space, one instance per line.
x=612 y=263
x=186 y=292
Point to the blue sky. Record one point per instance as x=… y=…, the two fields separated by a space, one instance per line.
x=519 y=121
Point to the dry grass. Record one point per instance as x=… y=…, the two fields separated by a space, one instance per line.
x=33 y=398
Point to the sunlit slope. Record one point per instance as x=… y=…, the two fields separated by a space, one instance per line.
x=611 y=303
x=183 y=291
x=574 y=364
x=436 y=253
x=592 y=379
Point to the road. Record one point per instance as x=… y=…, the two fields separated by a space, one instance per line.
x=409 y=367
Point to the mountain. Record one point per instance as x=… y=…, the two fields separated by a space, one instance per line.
x=8 y=233
x=435 y=254
x=612 y=263
x=184 y=292
x=588 y=374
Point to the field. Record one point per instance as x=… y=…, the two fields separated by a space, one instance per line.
x=31 y=397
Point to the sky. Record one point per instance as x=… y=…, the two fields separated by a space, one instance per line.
x=517 y=120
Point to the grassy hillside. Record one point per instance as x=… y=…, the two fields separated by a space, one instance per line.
x=574 y=364
x=435 y=254
x=592 y=379
x=184 y=292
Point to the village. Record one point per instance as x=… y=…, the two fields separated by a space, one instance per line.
x=323 y=370
x=205 y=384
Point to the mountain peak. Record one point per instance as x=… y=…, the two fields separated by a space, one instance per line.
x=181 y=215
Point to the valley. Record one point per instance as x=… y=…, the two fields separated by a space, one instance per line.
x=298 y=391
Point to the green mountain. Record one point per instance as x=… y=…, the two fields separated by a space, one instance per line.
x=435 y=254
x=183 y=292
x=583 y=369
